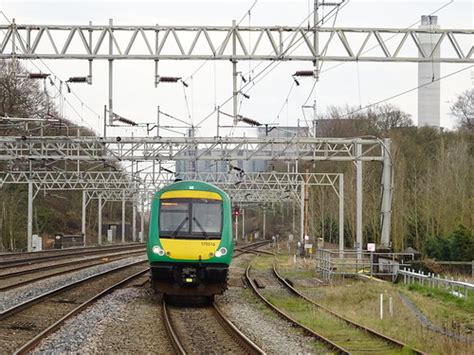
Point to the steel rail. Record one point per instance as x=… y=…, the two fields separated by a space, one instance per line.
x=26 y=348
x=115 y=257
x=174 y=339
x=287 y=317
x=4 y=264
x=368 y=330
x=64 y=264
x=59 y=251
x=245 y=248
x=30 y=302
x=235 y=333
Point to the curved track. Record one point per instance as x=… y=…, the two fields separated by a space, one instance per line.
x=319 y=337
x=389 y=342
x=349 y=337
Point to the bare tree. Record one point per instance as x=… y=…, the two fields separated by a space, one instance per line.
x=463 y=109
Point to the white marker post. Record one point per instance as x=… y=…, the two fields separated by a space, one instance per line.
x=381 y=306
x=390 y=306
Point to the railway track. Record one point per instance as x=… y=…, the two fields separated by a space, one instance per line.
x=250 y=248
x=25 y=259
x=335 y=331
x=25 y=325
x=17 y=278
x=206 y=329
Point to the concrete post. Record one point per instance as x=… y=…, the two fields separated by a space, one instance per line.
x=99 y=221
x=83 y=217
x=294 y=218
x=302 y=212
x=341 y=215
x=359 y=238
x=243 y=223
x=30 y=217
x=142 y=220
x=386 y=194
x=236 y=227
x=264 y=222
x=123 y=217
x=134 y=222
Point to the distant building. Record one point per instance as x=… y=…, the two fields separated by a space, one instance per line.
x=247 y=166
x=428 y=72
x=282 y=131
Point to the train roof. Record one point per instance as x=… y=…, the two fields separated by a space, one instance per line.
x=192 y=185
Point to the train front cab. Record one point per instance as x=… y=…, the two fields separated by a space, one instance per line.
x=193 y=252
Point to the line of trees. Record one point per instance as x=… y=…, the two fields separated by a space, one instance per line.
x=433 y=199
x=433 y=196
x=53 y=212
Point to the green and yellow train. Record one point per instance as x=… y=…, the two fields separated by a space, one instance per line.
x=190 y=239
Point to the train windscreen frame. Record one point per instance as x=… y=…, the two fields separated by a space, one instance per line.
x=190 y=218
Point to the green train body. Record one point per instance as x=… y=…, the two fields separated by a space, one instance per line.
x=190 y=242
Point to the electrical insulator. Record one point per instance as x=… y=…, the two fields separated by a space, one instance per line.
x=249 y=121
x=169 y=79
x=38 y=75
x=304 y=73
x=77 y=79
x=124 y=120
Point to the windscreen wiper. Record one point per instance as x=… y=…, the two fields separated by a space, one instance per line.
x=204 y=233
x=175 y=233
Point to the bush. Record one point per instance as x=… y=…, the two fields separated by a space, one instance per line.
x=457 y=246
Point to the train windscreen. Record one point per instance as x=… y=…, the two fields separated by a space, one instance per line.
x=190 y=218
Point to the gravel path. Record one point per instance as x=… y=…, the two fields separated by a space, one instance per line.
x=428 y=324
x=18 y=295
x=126 y=321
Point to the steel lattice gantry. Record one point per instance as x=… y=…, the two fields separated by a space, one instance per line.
x=274 y=43
x=188 y=148
x=30 y=41
x=25 y=150
x=108 y=186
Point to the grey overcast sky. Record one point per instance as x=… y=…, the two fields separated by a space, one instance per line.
x=349 y=84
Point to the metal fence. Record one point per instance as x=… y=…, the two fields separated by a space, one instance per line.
x=333 y=263
x=458 y=288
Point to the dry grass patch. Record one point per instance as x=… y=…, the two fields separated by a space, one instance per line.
x=359 y=301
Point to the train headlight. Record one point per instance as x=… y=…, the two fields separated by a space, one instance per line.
x=157 y=250
x=221 y=252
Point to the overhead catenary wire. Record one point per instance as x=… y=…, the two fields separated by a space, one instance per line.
x=247 y=13
x=296 y=43
x=388 y=38
x=366 y=51
x=252 y=82
x=407 y=91
x=61 y=81
x=285 y=103
x=315 y=81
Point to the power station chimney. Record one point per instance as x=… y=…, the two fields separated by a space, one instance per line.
x=428 y=72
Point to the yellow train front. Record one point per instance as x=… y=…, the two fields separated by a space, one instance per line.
x=190 y=239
